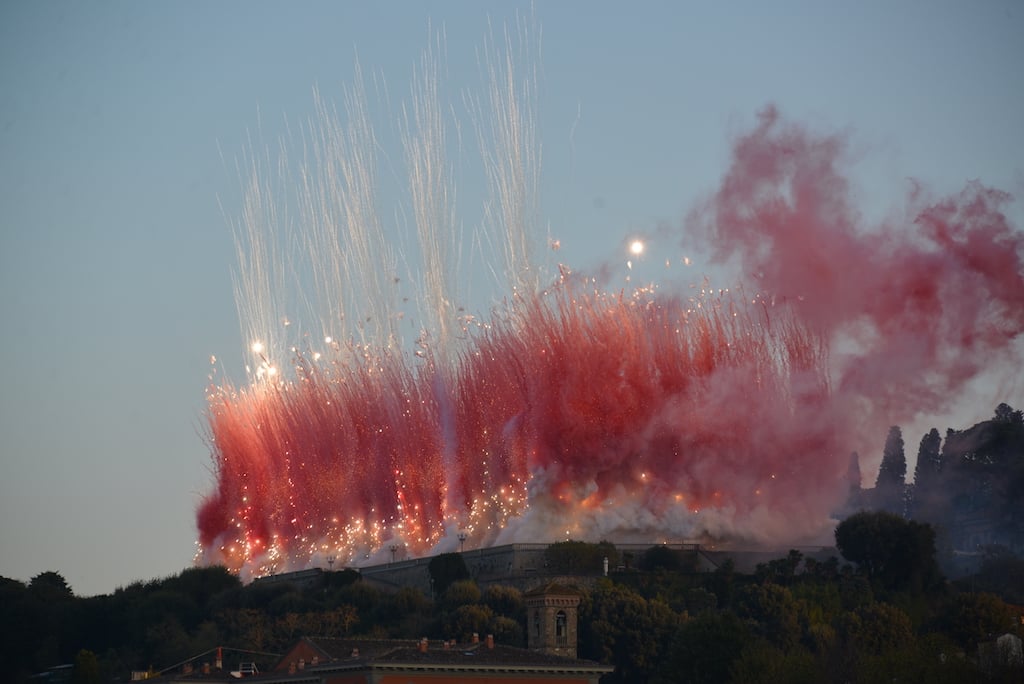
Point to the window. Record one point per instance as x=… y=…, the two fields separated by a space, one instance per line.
x=561 y=629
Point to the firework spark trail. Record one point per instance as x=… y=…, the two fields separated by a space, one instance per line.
x=261 y=281
x=424 y=140
x=353 y=261
x=605 y=398
x=511 y=151
x=578 y=412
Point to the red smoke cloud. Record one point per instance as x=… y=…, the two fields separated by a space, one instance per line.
x=593 y=414
x=923 y=307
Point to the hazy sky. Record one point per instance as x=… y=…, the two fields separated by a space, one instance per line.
x=120 y=124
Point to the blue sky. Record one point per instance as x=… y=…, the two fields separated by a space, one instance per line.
x=119 y=124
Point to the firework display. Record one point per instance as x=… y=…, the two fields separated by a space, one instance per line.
x=573 y=410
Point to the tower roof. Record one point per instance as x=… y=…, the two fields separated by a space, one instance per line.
x=552 y=589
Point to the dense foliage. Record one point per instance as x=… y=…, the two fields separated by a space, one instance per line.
x=794 y=619
x=882 y=612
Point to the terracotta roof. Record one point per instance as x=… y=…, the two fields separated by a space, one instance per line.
x=404 y=652
x=342 y=649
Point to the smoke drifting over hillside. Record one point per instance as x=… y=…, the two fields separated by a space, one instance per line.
x=919 y=308
x=574 y=411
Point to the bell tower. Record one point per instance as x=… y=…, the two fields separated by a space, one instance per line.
x=551 y=619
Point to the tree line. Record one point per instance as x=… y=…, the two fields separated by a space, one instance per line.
x=881 y=609
x=969 y=486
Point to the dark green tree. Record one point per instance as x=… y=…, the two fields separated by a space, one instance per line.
x=582 y=558
x=504 y=600
x=51 y=603
x=661 y=557
x=971 y=618
x=467 y=620
x=86 y=668
x=761 y=663
x=703 y=650
x=294 y=601
x=340 y=578
x=50 y=586
x=854 y=589
x=507 y=631
x=891 y=483
x=772 y=612
x=20 y=628
x=927 y=486
x=621 y=627
x=202 y=584
x=983 y=479
x=167 y=642
x=407 y=600
x=1001 y=573
x=461 y=593
x=446 y=569
x=895 y=554
x=723 y=582
x=929 y=462
x=699 y=599
x=781 y=570
x=1006 y=414
x=876 y=628
x=871 y=640
x=827 y=570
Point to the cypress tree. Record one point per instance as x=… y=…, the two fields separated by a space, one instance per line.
x=891 y=483
x=926 y=475
x=929 y=461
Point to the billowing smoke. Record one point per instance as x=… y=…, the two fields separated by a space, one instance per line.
x=577 y=412
x=912 y=312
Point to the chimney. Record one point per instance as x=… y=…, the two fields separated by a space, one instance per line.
x=423 y=645
x=490 y=641
x=476 y=638
x=206 y=668
x=314 y=661
x=355 y=653
x=302 y=663
x=447 y=646
x=219 y=664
